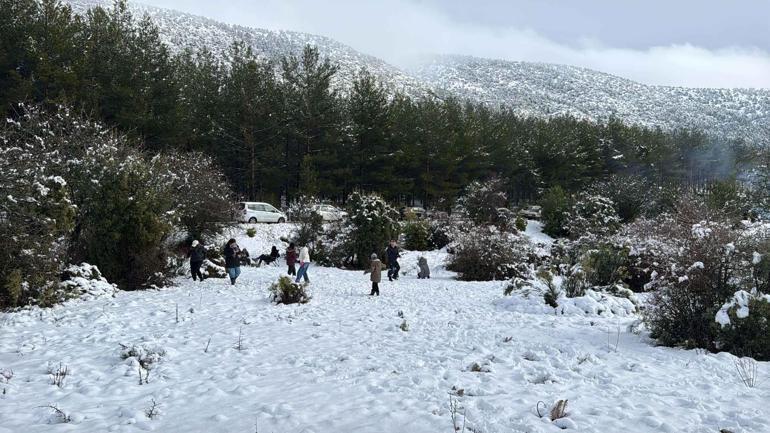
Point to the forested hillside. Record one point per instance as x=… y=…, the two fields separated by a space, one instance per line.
x=528 y=89
x=279 y=128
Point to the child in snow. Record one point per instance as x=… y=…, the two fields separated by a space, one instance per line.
x=375 y=269
x=269 y=258
x=232 y=262
x=291 y=259
x=304 y=263
x=422 y=262
x=197 y=255
x=392 y=256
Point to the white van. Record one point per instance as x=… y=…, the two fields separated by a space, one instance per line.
x=259 y=212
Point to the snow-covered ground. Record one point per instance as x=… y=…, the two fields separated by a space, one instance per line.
x=342 y=363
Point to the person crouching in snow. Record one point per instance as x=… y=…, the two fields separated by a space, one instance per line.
x=375 y=269
x=269 y=258
x=232 y=262
x=197 y=255
x=422 y=263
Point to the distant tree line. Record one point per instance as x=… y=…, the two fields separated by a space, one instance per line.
x=281 y=129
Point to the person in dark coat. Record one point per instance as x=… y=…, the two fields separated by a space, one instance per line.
x=197 y=255
x=232 y=262
x=392 y=254
x=291 y=259
x=424 y=272
x=375 y=269
x=273 y=256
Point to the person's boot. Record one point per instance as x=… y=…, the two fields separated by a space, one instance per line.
x=232 y=281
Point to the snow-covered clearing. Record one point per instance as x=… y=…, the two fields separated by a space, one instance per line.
x=342 y=363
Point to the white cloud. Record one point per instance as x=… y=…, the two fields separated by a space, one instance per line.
x=399 y=30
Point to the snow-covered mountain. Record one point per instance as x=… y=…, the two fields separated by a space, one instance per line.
x=180 y=30
x=540 y=89
x=529 y=88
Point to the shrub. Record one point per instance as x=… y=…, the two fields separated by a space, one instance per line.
x=372 y=223
x=36 y=209
x=417 y=236
x=555 y=205
x=629 y=194
x=201 y=197
x=592 y=214
x=605 y=265
x=484 y=253
x=309 y=222
x=691 y=291
x=505 y=219
x=440 y=234
x=251 y=232
x=74 y=192
x=285 y=291
x=729 y=197
x=521 y=224
x=745 y=326
x=124 y=226
x=482 y=199
x=575 y=284
x=552 y=292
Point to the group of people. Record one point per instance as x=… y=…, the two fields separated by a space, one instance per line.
x=233 y=255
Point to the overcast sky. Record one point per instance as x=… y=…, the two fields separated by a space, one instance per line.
x=694 y=43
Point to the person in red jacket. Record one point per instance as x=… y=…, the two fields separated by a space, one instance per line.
x=291 y=259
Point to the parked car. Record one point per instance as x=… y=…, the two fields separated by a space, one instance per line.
x=416 y=212
x=259 y=212
x=329 y=212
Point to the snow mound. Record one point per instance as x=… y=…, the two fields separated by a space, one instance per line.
x=593 y=303
x=86 y=282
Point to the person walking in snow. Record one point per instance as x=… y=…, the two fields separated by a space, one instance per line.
x=291 y=259
x=232 y=262
x=424 y=272
x=392 y=254
x=304 y=263
x=375 y=269
x=197 y=255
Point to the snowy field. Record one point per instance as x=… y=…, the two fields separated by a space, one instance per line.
x=342 y=363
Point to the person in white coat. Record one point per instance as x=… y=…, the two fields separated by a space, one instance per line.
x=304 y=263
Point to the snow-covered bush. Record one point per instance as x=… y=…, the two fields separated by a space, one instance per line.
x=629 y=194
x=36 y=210
x=482 y=199
x=702 y=276
x=91 y=196
x=332 y=248
x=651 y=245
x=372 y=223
x=146 y=355
x=744 y=325
x=575 y=284
x=285 y=291
x=440 y=234
x=123 y=226
x=485 y=253
x=416 y=235
x=592 y=214
x=202 y=200
x=729 y=197
x=310 y=224
x=83 y=281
